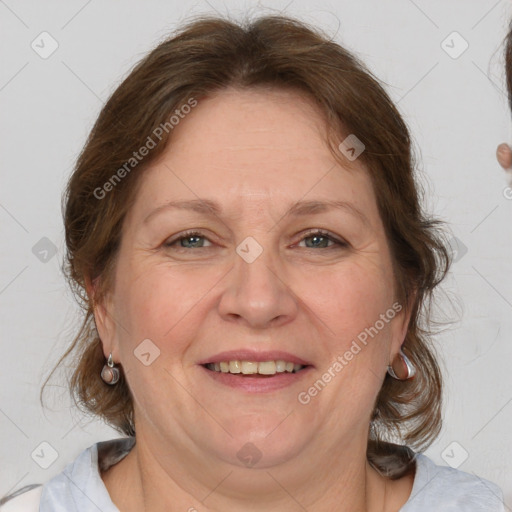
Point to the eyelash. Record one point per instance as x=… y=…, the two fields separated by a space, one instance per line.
x=309 y=234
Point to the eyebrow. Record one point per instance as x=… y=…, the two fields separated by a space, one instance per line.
x=301 y=208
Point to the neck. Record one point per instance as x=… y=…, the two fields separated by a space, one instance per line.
x=153 y=480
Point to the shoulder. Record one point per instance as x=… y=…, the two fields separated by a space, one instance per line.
x=443 y=488
x=25 y=500
x=80 y=483
x=77 y=486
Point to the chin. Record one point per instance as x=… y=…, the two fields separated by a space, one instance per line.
x=263 y=441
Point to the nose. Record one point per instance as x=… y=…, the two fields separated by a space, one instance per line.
x=257 y=294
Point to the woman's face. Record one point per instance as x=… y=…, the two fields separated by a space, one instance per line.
x=253 y=280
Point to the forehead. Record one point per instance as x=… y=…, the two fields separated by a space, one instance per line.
x=253 y=146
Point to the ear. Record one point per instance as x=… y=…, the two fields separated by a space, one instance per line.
x=401 y=323
x=103 y=318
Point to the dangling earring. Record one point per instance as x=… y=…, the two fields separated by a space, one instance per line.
x=109 y=373
x=407 y=369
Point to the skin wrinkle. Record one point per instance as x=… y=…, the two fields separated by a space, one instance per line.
x=210 y=208
x=314 y=308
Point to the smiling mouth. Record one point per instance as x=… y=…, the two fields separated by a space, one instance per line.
x=254 y=368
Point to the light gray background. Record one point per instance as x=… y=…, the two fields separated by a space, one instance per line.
x=456 y=109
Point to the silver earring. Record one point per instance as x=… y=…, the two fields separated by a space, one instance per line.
x=109 y=373
x=407 y=368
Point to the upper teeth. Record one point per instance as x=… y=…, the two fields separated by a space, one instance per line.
x=251 y=367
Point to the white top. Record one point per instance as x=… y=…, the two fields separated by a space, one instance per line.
x=79 y=487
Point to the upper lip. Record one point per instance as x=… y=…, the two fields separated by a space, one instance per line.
x=252 y=355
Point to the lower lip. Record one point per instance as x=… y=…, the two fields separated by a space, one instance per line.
x=253 y=384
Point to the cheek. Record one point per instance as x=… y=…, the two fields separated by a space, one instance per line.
x=356 y=306
x=163 y=305
x=349 y=298
x=163 y=302
x=358 y=337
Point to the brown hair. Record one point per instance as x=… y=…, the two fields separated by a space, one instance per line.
x=508 y=64
x=206 y=56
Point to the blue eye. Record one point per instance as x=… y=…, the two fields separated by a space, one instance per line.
x=189 y=240
x=319 y=240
